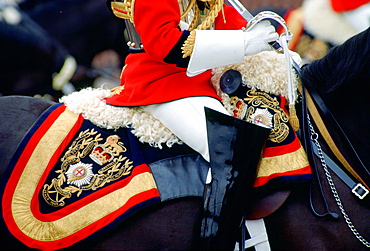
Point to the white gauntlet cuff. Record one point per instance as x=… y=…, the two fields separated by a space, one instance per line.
x=214 y=48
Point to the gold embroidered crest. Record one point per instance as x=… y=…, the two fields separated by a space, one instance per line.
x=75 y=176
x=255 y=109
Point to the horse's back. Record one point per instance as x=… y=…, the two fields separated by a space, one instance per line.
x=170 y=225
x=18 y=113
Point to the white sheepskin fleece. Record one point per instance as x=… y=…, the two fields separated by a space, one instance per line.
x=265 y=71
x=324 y=23
x=89 y=102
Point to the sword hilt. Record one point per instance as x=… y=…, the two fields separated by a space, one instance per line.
x=269 y=15
x=276 y=45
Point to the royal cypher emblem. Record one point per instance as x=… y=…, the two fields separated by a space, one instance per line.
x=255 y=108
x=75 y=176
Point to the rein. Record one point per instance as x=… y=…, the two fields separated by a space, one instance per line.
x=314 y=96
x=313 y=146
x=358 y=187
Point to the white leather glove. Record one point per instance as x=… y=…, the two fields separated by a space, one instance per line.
x=214 y=48
x=257 y=38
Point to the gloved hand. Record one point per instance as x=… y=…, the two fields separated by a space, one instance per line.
x=257 y=38
x=214 y=48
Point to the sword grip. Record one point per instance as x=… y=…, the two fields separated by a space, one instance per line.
x=276 y=46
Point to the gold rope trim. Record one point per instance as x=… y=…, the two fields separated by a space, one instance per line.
x=194 y=21
x=327 y=137
x=215 y=7
x=188 y=8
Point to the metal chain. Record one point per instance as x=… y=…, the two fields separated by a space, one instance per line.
x=314 y=137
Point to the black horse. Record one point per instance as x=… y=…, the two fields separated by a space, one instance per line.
x=294 y=226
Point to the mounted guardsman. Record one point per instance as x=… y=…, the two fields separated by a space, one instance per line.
x=167 y=74
x=104 y=157
x=174 y=45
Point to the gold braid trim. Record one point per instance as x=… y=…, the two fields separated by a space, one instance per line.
x=194 y=21
x=283 y=163
x=124 y=9
x=188 y=46
x=117 y=90
x=215 y=7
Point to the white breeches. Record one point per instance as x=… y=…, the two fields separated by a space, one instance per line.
x=186 y=119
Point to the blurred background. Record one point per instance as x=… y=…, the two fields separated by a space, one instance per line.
x=51 y=47
x=257 y=6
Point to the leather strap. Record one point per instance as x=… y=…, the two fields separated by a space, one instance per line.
x=357 y=188
x=325 y=133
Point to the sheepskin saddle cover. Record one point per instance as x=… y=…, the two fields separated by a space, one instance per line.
x=72 y=178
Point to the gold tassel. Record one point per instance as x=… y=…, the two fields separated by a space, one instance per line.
x=293 y=119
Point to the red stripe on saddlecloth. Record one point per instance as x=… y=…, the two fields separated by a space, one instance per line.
x=27 y=152
x=282 y=149
x=19 y=167
x=83 y=233
x=260 y=181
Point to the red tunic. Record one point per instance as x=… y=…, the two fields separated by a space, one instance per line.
x=152 y=76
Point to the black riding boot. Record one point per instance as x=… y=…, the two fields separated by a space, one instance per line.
x=235 y=149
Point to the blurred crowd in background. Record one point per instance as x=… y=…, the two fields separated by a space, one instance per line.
x=49 y=48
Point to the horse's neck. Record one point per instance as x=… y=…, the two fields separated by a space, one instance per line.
x=350 y=110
